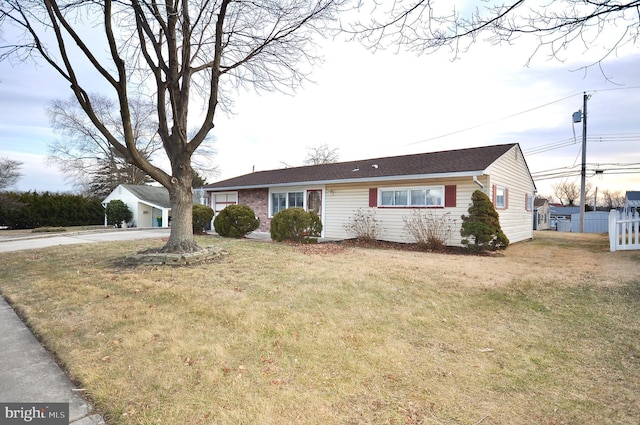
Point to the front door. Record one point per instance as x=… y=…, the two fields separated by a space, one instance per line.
x=314 y=201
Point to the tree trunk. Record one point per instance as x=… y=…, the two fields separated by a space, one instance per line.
x=181 y=238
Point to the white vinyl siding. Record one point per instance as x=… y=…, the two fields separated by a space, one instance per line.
x=144 y=214
x=510 y=172
x=342 y=201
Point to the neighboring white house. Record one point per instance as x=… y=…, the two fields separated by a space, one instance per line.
x=149 y=205
x=441 y=182
x=541 y=214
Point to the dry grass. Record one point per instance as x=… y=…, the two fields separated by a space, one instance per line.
x=547 y=333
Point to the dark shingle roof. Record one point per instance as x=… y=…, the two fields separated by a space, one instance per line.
x=633 y=195
x=444 y=162
x=633 y=199
x=156 y=195
x=538 y=202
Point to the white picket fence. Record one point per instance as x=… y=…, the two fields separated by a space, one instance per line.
x=624 y=230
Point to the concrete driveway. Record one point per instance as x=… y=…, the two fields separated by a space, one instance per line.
x=21 y=242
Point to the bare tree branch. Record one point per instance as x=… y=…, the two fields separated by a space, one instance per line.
x=9 y=172
x=177 y=52
x=321 y=154
x=424 y=27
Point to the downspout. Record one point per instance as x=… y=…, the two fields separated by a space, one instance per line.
x=476 y=181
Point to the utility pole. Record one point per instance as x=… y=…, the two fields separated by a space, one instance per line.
x=583 y=171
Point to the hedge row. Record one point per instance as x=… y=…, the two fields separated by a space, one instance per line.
x=29 y=210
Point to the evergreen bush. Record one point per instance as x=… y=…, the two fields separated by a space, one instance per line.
x=118 y=212
x=202 y=216
x=295 y=224
x=30 y=210
x=483 y=224
x=235 y=221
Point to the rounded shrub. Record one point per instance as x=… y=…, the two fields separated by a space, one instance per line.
x=295 y=224
x=202 y=216
x=118 y=212
x=235 y=221
x=315 y=229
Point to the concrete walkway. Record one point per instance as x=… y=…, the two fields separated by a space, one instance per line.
x=28 y=374
x=9 y=243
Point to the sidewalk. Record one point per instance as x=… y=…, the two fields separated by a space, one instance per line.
x=29 y=375
x=13 y=242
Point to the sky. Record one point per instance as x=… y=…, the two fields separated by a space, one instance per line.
x=369 y=105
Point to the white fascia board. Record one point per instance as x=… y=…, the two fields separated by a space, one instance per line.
x=355 y=180
x=152 y=205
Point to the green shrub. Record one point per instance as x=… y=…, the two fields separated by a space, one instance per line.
x=202 y=216
x=30 y=210
x=118 y=212
x=295 y=224
x=235 y=221
x=315 y=229
x=483 y=224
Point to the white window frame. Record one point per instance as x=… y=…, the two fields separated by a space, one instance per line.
x=530 y=199
x=501 y=205
x=286 y=193
x=407 y=194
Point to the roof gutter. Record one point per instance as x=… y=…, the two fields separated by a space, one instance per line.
x=350 y=181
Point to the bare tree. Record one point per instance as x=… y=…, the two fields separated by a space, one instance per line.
x=424 y=27
x=9 y=172
x=321 y=154
x=179 y=52
x=568 y=193
x=613 y=199
x=86 y=157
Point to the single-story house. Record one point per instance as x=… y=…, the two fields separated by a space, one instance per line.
x=541 y=214
x=631 y=201
x=149 y=205
x=392 y=187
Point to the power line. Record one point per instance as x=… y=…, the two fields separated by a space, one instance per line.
x=597 y=138
x=519 y=113
x=595 y=168
x=491 y=122
x=550 y=147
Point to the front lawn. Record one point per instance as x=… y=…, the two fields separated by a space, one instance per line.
x=547 y=333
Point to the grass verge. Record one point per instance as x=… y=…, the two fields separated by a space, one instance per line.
x=278 y=334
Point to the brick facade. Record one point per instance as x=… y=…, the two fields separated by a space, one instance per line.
x=258 y=201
